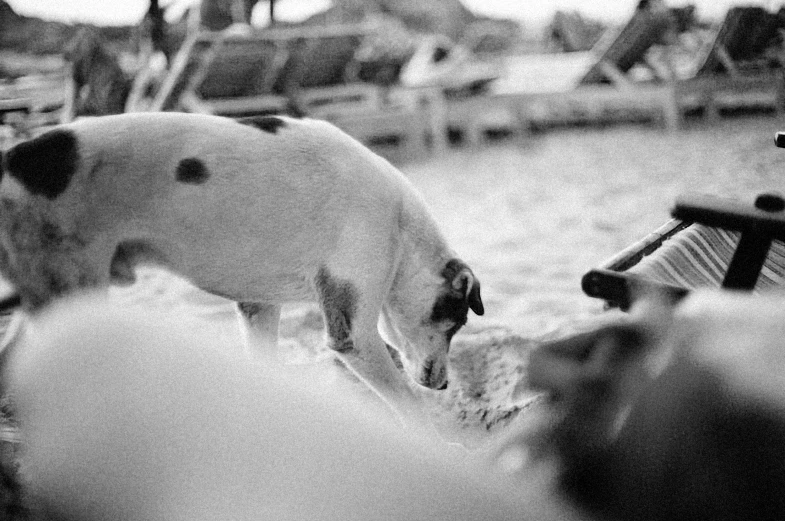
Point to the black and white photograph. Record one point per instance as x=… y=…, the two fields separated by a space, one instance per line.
x=392 y=260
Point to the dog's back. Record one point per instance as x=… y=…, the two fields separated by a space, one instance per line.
x=275 y=191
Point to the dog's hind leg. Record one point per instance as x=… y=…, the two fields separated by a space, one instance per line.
x=259 y=325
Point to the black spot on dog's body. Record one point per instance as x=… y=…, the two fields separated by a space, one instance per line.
x=269 y=124
x=192 y=170
x=338 y=299
x=44 y=165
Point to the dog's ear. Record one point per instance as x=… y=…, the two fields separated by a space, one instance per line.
x=469 y=286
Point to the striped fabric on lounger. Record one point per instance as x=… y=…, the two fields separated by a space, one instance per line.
x=698 y=256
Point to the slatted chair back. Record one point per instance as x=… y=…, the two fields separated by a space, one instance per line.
x=622 y=50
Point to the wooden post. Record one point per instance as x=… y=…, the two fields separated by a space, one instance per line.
x=518 y=106
x=68 y=111
x=779 y=99
x=711 y=110
x=671 y=111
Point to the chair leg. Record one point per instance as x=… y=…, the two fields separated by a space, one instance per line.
x=747 y=261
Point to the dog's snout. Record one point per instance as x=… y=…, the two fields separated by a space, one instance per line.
x=433 y=375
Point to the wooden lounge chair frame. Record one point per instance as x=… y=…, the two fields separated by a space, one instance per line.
x=732 y=36
x=628 y=47
x=284 y=66
x=759 y=226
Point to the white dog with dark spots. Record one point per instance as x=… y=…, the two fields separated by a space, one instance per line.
x=263 y=212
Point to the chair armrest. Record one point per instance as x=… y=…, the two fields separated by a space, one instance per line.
x=766 y=217
x=619 y=288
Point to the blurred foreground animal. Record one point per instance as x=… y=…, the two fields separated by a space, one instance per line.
x=262 y=213
x=133 y=415
x=673 y=417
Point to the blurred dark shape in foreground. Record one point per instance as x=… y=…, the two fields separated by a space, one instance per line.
x=672 y=416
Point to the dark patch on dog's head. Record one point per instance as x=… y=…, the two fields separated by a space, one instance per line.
x=452 y=308
x=338 y=299
x=269 y=124
x=461 y=293
x=192 y=171
x=45 y=164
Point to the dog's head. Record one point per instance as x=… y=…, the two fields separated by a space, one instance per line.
x=424 y=313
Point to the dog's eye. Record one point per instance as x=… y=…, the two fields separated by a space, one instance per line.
x=449 y=308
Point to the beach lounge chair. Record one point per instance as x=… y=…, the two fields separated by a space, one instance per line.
x=741 y=41
x=303 y=71
x=711 y=242
x=240 y=73
x=740 y=67
x=618 y=52
x=221 y=73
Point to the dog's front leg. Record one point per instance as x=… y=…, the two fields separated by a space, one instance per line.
x=259 y=325
x=351 y=306
x=368 y=359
